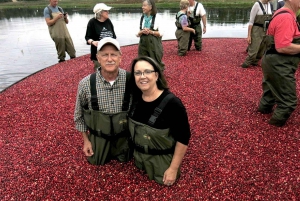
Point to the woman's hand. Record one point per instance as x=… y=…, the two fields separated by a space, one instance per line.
x=95 y=43
x=249 y=40
x=146 y=31
x=170 y=176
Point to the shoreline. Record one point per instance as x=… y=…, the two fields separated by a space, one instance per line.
x=90 y=4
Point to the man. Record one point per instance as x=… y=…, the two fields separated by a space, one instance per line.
x=101 y=107
x=280 y=63
x=196 y=12
x=56 y=20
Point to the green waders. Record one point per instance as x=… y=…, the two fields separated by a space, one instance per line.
x=182 y=37
x=151 y=46
x=109 y=136
x=279 y=84
x=257 y=33
x=154 y=149
x=63 y=41
x=197 y=37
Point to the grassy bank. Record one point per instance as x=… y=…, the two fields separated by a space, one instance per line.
x=88 y=4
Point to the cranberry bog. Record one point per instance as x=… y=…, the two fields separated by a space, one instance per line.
x=233 y=154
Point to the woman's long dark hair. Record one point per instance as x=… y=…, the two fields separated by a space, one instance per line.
x=161 y=81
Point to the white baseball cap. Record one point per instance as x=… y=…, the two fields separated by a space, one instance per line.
x=100 y=6
x=107 y=40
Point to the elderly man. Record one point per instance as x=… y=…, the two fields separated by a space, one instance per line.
x=280 y=63
x=101 y=107
x=196 y=12
x=56 y=20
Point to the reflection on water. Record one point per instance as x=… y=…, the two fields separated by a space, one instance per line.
x=27 y=46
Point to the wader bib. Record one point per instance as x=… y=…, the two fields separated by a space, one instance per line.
x=257 y=33
x=279 y=84
x=197 y=37
x=182 y=37
x=109 y=134
x=151 y=46
x=153 y=148
x=60 y=35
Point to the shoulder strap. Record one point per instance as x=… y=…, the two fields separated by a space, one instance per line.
x=126 y=101
x=152 y=22
x=159 y=109
x=141 y=22
x=94 y=98
x=179 y=16
x=195 y=9
x=50 y=12
x=60 y=9
x=262 y=8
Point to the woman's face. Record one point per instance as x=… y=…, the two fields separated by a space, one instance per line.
x=104 y=14
x=145 y=76
x=146 y=8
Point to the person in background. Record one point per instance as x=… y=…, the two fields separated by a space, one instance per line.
x=102 y=104
x=150 y=33
x=56 y=20
x=183 y=30
x=196 y=13
x=280 y=63
x=260 y=15
x=158 y=123
x=99 y=27
x=280 y=4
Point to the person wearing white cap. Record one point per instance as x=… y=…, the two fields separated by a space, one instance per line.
x=150 y=33
x=99 y=27
x=101 y=108
x=56 y=20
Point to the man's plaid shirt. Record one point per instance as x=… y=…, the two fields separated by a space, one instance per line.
x=110 y=98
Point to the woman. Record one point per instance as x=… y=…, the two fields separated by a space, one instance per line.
x=99 y=27
x=158 y=123
x=183 y=31
x=150 y=33
x=260 y=15
x=279 y=65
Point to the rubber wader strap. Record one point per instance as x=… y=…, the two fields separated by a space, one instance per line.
x=126 y=100
x=195 y=9
x=147 y=150
x=159 y=108
x=152 y=22
x=94 y=98
x=262 y=8
x=108 y=136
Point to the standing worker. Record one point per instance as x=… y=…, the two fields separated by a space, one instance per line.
x=260 y=15
x=99 y=27
x=101 y=107
x=56 y=20
x=280 y=63
x=196 y=13
x=150 y=33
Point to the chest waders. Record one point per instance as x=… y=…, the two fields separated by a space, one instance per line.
x=279 y=83
x=181 y=36
x=109 y=133
x=197 y=37
x=150 y=45
x=257 y=33
x=153 y=148
x=61 y=36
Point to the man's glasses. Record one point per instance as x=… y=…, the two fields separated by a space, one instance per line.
x=145 y=73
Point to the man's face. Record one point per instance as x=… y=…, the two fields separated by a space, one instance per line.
x=109 y=58
x=53 y=3
x=191 y=2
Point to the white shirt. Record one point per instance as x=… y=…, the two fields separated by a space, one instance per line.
x=256 y=10
x=157 y=24
x=199 y=12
